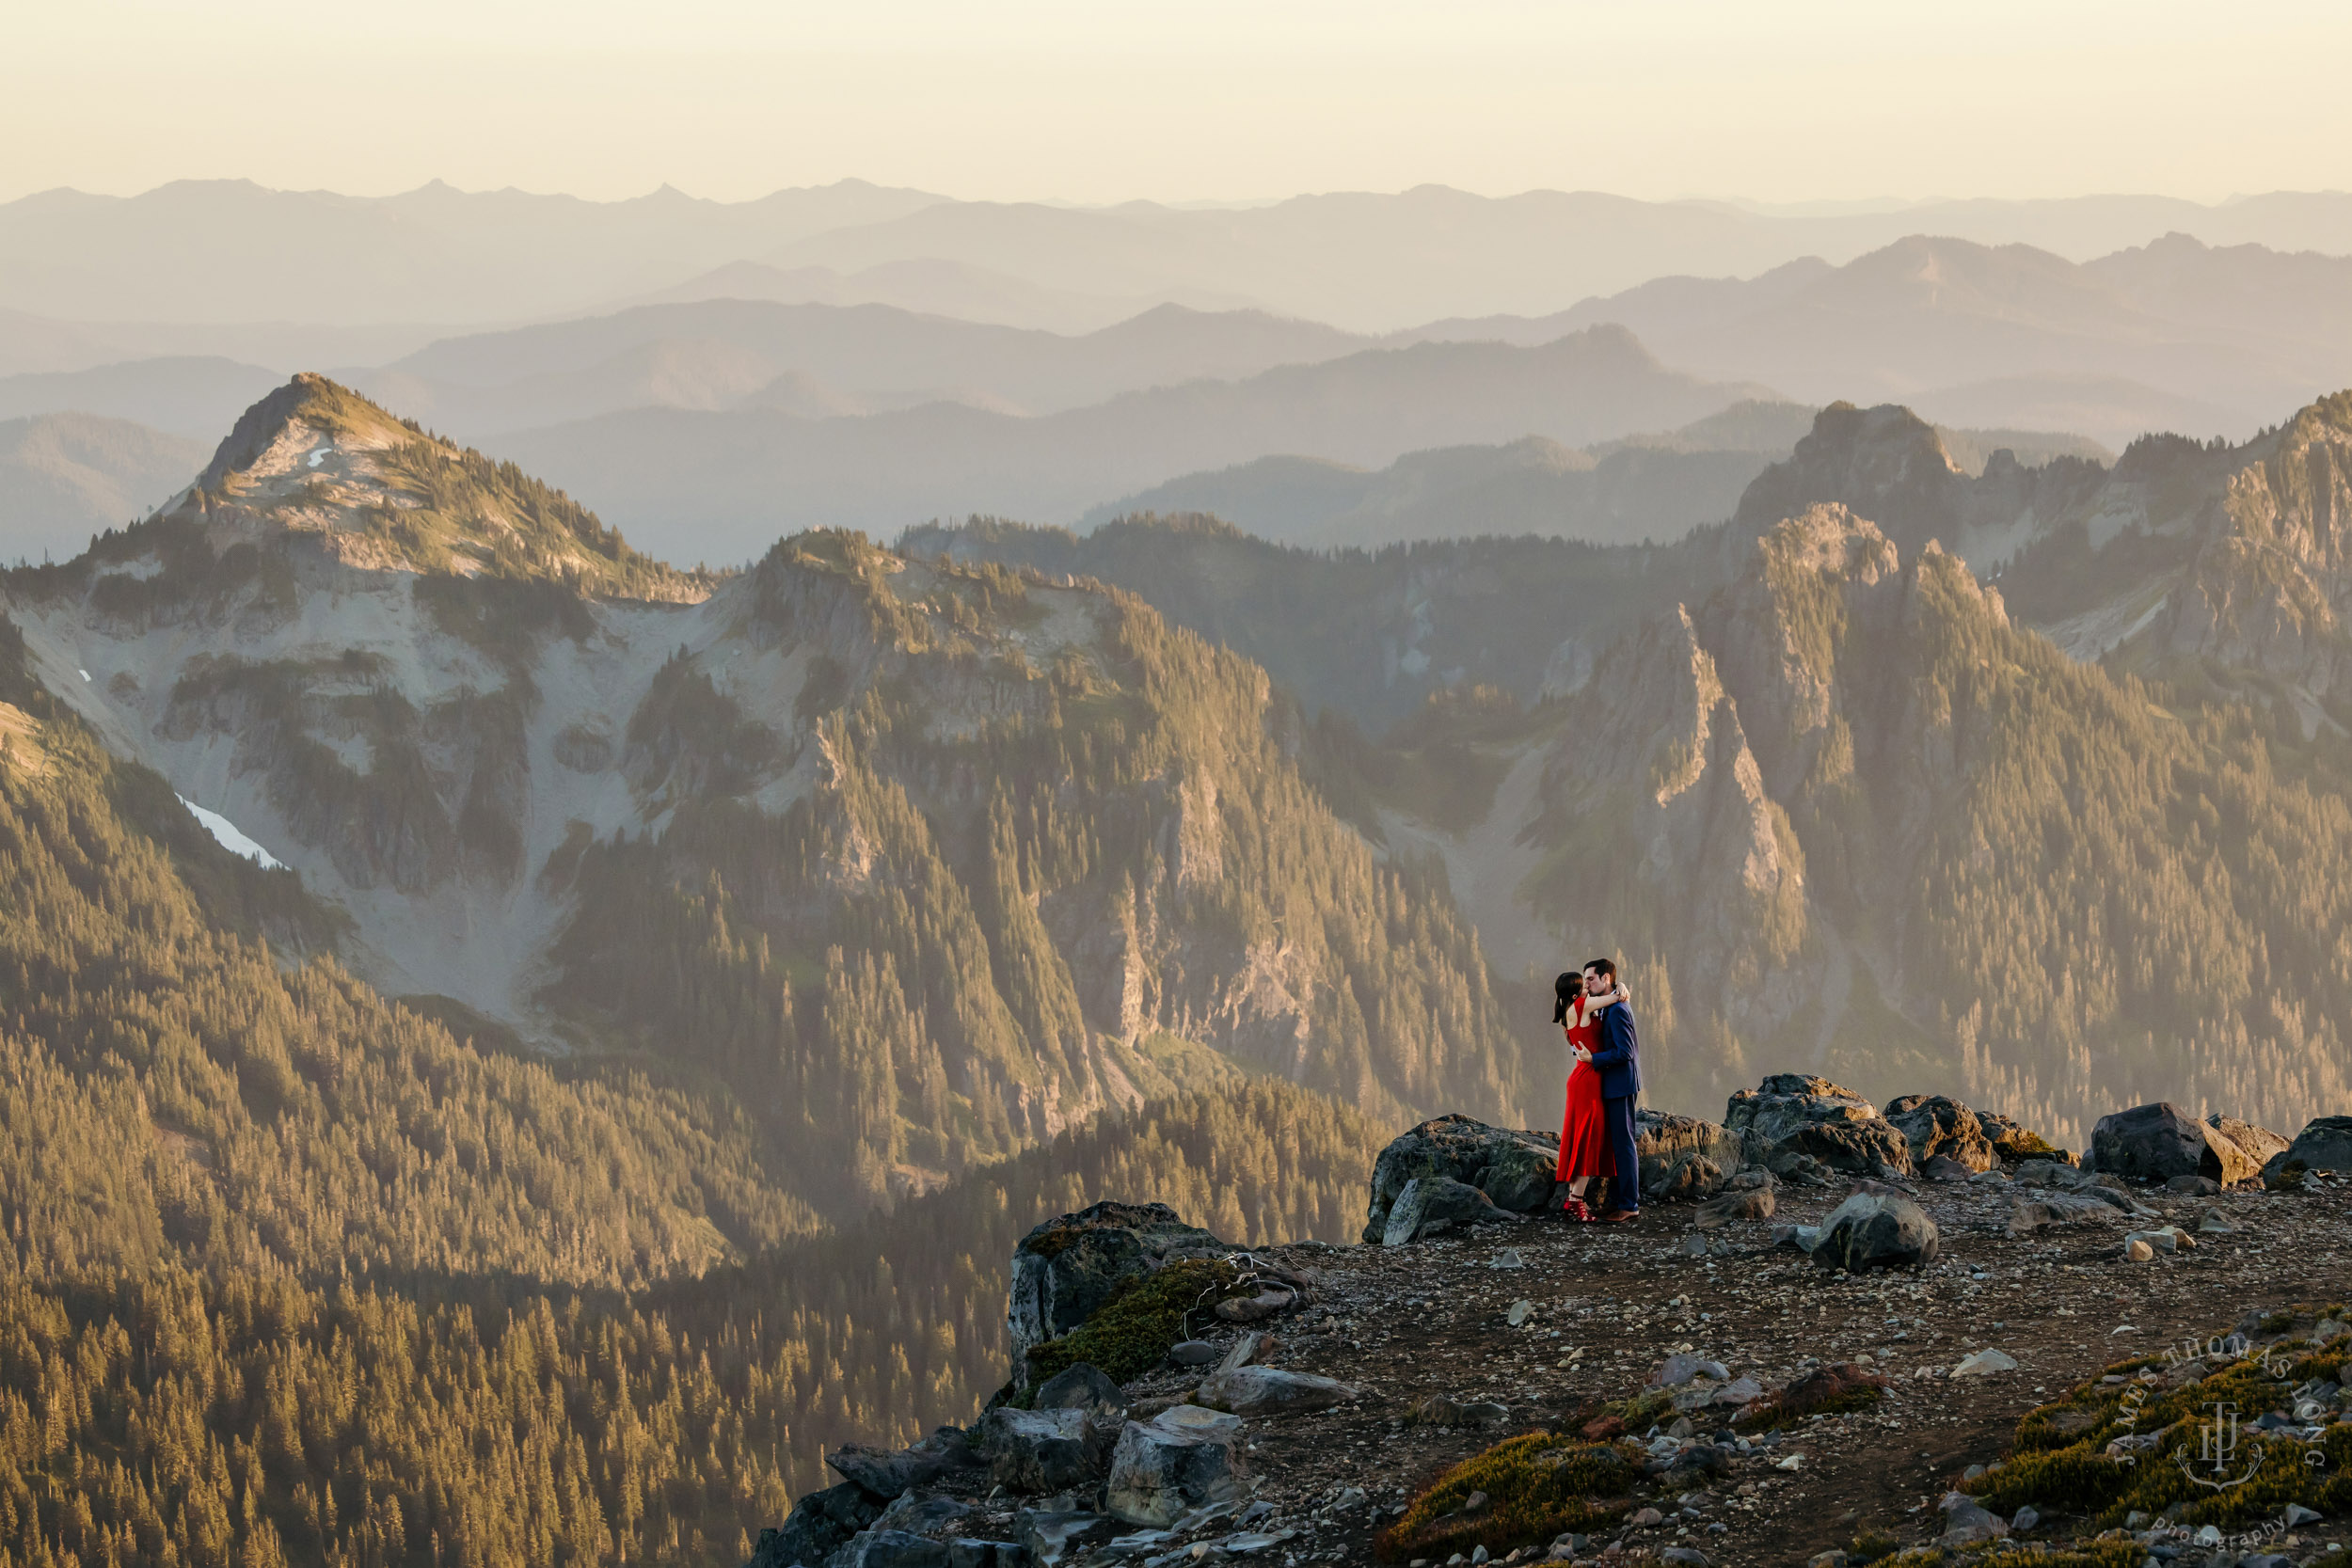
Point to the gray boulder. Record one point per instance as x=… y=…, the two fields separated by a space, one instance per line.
x=1876 y=1231
x=1080 y=1387
x=2012 y=1141
x=1040 y=1450
x=1742 y=1203
x=1794 y=1117
x=1939 y=1126
x=1067 y=1267
x=2158 y=1142
x=1433 y=1205
x=2324 y=1143
x=820 y=1522
x=967 y=1551
x=1514 y=1169
x=1271 y=1391
x=1683 y=1156
x=1162 y=1470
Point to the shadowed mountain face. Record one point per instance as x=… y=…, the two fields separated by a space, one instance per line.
x=1815 y=780
x=923 y=864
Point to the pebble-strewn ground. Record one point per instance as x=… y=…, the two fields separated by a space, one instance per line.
x=1609 y=1303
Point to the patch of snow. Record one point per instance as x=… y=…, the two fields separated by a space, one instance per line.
x=318 y=457
x=231 y=838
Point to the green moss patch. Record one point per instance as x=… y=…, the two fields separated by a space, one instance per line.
x=1132 y=1332
x=1535 y=1487
x=2061 y=1460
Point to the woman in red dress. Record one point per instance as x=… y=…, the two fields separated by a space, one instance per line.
x=1584 y=1139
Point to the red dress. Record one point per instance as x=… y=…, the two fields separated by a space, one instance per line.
x=1584 y=1141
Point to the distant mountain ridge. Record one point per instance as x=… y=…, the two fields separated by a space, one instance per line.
x=712 y=486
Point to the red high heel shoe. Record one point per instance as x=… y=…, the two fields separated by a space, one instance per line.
x=1574 y=1209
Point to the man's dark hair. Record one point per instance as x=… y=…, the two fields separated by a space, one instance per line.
x=1608 y=967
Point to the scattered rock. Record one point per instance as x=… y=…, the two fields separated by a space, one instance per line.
x=1257 y=1309
x=1746 y=1203
x=1433 y=1205
x=1985 y=1363
x=1805 y=1238
x=1052 y=1535
x=2298 y=1514
x=895 y=1548
x=1507 y=1258
x=2158 y=1142
x=1966 y=1522
x=966 y=1551
x=2025 y=1519
x=1193 y=1352
x=1163 y=1469
x=1521 y=1311
x=2138 y=1251
x=1067 y=1267
x=1080 y=1387
x=1682 y=1367
x=1272 y=1391
x=1035 y=1452
x=1876 y=1231
x=2027 y=1215
x=2170 y=1238
x=1248 y=1348
x=1690 y=1554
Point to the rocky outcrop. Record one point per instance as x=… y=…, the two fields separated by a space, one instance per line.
x=1940 y=1126
x=1035 y=1452
x=1513 y=1169
x=1684 y=1157
x=2324 y=1143
x=1797 y=1125
x=2259 y=1143
x=2158 y=1142
x=1067 y=1267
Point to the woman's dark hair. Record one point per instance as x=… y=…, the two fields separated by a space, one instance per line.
x=1564 y=991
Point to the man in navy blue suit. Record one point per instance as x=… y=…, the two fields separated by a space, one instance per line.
x=1618 y=1058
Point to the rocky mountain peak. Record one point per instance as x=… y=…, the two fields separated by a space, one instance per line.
x=316 y=464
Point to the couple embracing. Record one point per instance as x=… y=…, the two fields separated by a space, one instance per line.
x=1596 y=1130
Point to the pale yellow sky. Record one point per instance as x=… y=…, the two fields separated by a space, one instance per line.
x=1102 y=101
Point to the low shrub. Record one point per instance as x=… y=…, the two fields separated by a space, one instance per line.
x=1133 y=1332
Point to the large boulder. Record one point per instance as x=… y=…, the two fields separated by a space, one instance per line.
x=1792 y=1117
x=1876 y=1231
x=1067 y=1267
x=1683 y=1156
x=1165 y=1467
x=1080 y=1386
x=1514 y=1169
x=1935 y=1124
x=1433 y=1205
x=2324 y=1143
x=2259 y=1142
x=1041 y=1450
x=2158 y=1142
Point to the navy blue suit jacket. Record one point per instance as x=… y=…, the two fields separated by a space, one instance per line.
x=1618 y=1057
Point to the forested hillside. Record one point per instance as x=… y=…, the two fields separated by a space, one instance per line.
x=295 y=1276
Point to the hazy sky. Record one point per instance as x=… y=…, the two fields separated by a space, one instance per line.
x=1102 y=101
